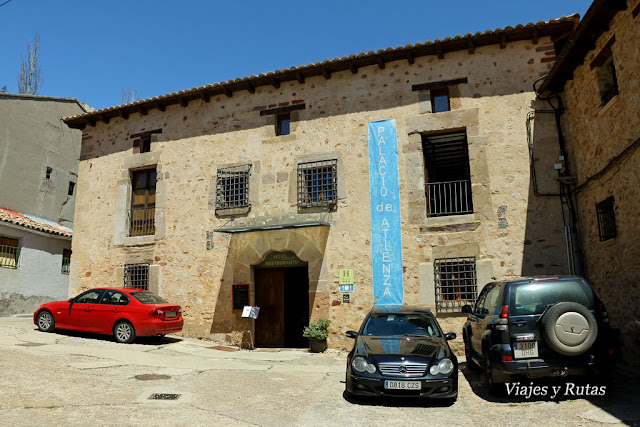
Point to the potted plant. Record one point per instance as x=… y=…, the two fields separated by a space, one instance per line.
x=317 y=332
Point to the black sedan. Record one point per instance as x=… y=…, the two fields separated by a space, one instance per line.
x=400 y=351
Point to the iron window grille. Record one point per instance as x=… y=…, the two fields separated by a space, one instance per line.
x=456 y=282
x=136 y=276
x=232 y=187
x=66 y=261
x=610 y=82
x=606 y=220
x=9 y=253
x=318 y=183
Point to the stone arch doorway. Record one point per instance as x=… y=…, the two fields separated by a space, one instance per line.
x=308 y=244
x=281 y=286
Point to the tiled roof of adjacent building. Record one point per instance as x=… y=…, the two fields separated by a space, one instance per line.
x=325 y=68
x=34 y=222
x=593 y=25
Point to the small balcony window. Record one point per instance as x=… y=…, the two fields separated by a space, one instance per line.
x=143 y=203
x=447 y=174
x=9 y=252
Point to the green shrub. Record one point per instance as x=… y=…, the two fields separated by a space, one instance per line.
x=318 y=330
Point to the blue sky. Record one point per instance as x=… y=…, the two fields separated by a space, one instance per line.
x=92 y=50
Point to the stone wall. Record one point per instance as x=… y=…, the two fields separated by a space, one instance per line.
x=196 y=266
x=597 y=134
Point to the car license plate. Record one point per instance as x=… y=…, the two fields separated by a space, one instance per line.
x=524 y=349
x=402 y=385
x=170 y=314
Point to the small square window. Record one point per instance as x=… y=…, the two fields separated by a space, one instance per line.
x=456 y=282
x=72 y=186
x=145 y=143
x=440 y=100
x=66 y=261
x=318 y=183
x=48 y=173
x=9 y=252
x=606 y=220
x=136 y=276
x=283 y=124
x=232 y=187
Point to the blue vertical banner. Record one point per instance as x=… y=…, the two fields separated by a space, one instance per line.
x=386 y=240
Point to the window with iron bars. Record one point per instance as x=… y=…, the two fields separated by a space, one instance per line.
x=9 y=252
x=136 y=276
x=66 y=261
x=232 y=187
x=606 y=220
x=318 y=183
x=456 y=282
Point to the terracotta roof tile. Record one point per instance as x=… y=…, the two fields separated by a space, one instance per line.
x=34 y=222
x=519 y=32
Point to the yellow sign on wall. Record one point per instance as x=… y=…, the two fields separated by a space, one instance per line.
x=345 y=276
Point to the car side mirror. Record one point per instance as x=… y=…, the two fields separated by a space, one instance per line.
x=71 y=300
x=450 y=336
x=352 y=334
x=466 y=309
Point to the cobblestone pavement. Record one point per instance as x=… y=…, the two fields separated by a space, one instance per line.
x=79 y=379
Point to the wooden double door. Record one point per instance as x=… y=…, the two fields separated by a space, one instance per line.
x=283 y=297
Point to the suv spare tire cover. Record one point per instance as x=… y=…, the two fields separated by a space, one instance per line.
x=569 y=328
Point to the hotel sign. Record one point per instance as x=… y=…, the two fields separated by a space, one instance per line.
x=386 y=239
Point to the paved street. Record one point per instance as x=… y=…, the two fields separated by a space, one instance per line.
x=67 y=378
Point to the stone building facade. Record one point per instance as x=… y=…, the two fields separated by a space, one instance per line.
x=264 y=181
x=597 y=77
x=38 y=172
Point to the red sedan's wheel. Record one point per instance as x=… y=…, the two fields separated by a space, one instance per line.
x=45 y=321
x=123 y=332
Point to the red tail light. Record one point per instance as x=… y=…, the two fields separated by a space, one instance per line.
x=507 y=358
x=504 y=312
x=157 y=312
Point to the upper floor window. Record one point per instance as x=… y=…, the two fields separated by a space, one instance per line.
x=143 y=203
x=440 y=100
x=9 y=252
x=48 y=173
x=66 y=261
x=72 y=186
x=447 y=174
x=145 y=143
x=232 y=187
x=318 y=183
x=283 y=122
x=606 y=220
x=606 y=72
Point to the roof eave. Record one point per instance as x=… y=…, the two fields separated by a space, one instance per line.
x=583 y=40
x=326 y=68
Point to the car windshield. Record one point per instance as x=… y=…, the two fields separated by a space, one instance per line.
x=532 y=298
x=148 y=298
x=401 y=324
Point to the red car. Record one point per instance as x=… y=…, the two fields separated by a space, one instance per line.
x=123 y=313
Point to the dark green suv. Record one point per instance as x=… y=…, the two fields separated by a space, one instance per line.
x=537 y=327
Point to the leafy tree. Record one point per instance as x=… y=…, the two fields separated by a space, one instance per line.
x=30 y=77
x=4 y=89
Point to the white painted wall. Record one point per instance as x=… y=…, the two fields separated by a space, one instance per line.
x=39 y=277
